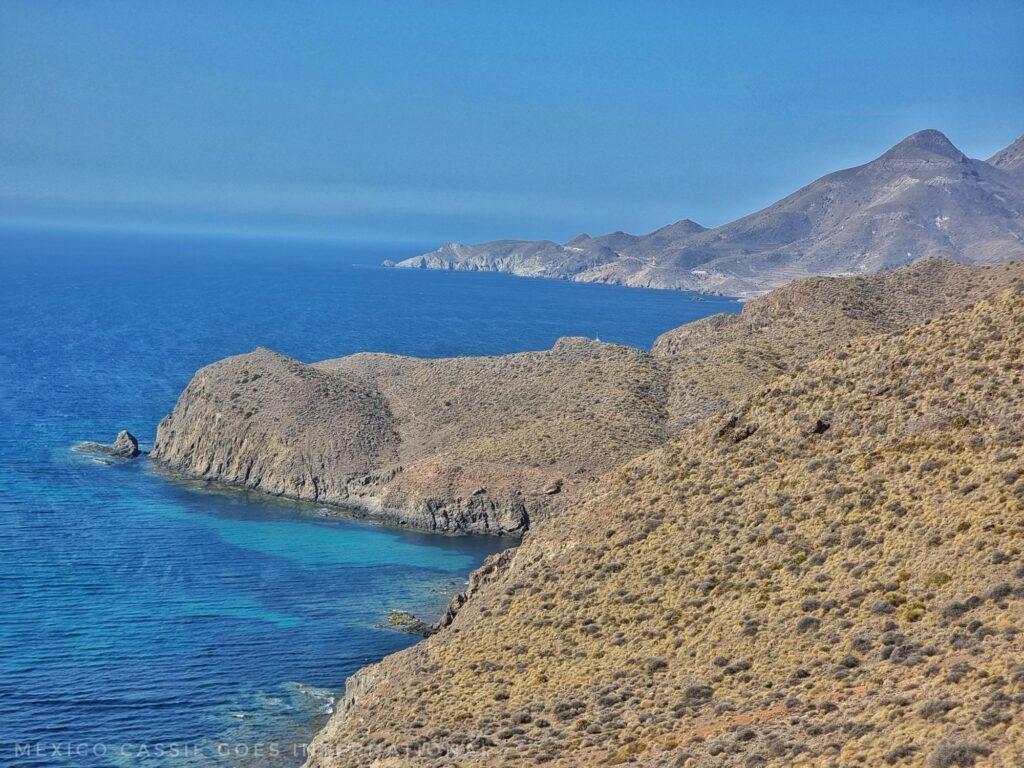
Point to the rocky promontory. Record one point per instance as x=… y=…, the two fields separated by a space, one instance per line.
x=776 y=526
x=827 y=574
x=474 y=444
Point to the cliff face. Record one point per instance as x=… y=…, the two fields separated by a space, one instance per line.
x=828 y=573
x=467 y=444
x=921 y=198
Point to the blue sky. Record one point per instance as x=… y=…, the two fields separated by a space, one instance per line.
x=471 y=121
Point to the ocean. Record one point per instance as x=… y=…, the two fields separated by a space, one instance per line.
x=150 y=622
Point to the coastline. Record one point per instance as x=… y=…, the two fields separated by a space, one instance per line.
x=698 y=294
x=364 y=678
x=247 y=565
x=355 y=511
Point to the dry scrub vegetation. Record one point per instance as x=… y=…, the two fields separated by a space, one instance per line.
x=828 y=573
x=721 y=359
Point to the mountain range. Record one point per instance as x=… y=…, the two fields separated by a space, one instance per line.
x=921 y=198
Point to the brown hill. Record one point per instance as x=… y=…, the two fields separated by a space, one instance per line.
x=829 y=574
x=482 y=444
x=921 y=198
x=721 y=359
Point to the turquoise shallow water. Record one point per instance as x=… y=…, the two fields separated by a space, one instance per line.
x=147 y=623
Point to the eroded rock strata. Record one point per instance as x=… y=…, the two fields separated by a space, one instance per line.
x=829 y=573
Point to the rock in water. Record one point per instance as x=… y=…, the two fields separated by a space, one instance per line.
x=124 y=447
x=404 y=621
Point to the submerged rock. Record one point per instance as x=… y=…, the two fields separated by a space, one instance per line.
x=404 y=621
x=125 y=446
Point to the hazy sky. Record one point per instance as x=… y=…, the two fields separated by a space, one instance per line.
x=470 y=121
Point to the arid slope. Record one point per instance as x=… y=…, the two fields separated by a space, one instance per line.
x=923 y=197
x=828 y=574
x=718 y=360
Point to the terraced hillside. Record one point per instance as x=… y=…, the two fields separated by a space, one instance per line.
x=829 y=574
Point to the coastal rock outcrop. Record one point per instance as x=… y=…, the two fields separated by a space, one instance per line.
x=462 y=444
x=125 y=446
x=403 y=621
x=497 y=444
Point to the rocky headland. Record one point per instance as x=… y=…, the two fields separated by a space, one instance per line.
x=785 y=537
x=497 y=444
x=474 y=444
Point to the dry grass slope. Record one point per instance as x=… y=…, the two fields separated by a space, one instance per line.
x=828 y=574
x=722 y=359
x=474 y=443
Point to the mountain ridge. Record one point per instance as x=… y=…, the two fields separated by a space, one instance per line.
x=922 y=197
x=1010 y=158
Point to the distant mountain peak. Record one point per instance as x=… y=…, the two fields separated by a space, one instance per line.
x=1010 y=158
x=926 y=142
x=683 y=226
x=923 y=197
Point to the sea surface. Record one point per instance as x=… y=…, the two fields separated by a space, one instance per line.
x=145 y=622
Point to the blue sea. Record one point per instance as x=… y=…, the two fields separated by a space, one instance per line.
x=153 y=623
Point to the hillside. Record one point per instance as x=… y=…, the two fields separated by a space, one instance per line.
x=1011 y=158
x=494 y=444
x=921 y=198
x=828 y=574
x=484 y=444
x=719 y=360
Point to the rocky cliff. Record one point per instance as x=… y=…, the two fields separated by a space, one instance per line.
x=484 y=444
x=829 y=573
x=923 y=197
